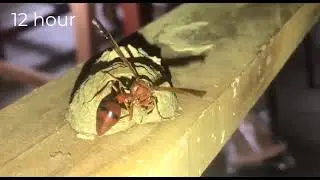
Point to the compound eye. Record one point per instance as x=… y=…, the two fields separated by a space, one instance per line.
x=126 y=81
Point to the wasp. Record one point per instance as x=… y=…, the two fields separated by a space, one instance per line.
x=128 y=92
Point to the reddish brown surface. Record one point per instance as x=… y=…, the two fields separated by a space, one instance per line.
x=131 y=18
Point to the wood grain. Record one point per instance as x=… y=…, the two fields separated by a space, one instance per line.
x=251 y=44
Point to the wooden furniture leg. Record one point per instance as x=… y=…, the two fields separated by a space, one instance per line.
x=131 y=20
x=136 y=15
x=84 y=32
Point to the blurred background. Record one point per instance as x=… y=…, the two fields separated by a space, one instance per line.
x=33 y=54
x=283 y=127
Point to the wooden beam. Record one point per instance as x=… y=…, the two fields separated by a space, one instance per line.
x=251 y=43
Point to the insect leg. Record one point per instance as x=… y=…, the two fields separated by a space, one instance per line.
x=155 y=101
x=130 y=111
x=113 y=86
x=100 y=91
x=114 y=77
x=116 y=87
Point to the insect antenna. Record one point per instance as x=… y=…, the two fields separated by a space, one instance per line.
x=106 y=34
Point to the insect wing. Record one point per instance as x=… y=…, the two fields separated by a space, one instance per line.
x=194 y=92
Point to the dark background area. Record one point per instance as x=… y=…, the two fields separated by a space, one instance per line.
x=52 y=49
